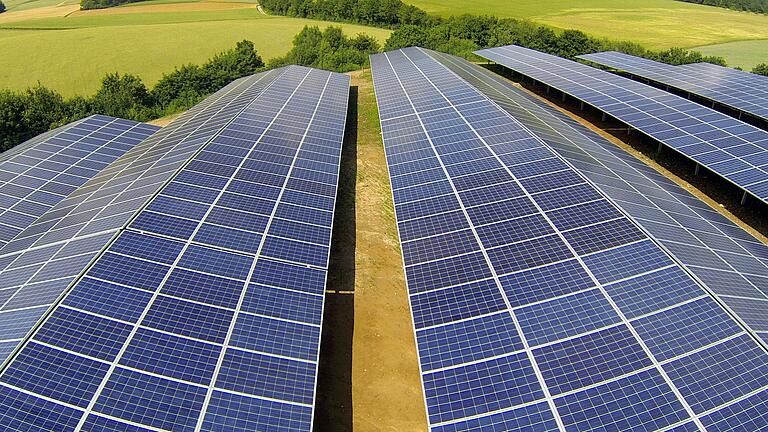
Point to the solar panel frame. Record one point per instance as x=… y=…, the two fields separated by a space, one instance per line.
x=83 y=147
x=694 y=131
x=742 y=91
x=669 y=201
x=323 y=131
x=391 y=108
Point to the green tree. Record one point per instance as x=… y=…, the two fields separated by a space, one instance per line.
x=761 y=69
x=405 y=36
x=2 y=7
x=44 y=109
x=123 y=96
x=13 y=129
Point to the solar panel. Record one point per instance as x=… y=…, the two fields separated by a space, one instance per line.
x=726 y=258
x=728 y=147
x=42 y=262
x=205 y=311
x=44 y=170
x=743 y=91
x=537 y=304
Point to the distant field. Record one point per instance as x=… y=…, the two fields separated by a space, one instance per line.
x=653 y=23
x=744 y=53
x=72 y=54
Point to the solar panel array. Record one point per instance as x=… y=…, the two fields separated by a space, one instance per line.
x=39 y=173
x=42 y=262
x=537 y=304
x=740 y=90
x=205 y=312
x=734 y=150
x=728 y=260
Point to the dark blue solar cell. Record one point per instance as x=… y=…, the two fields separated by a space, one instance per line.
x=427 y=207
x=84 y=333
x=551 y=181
x=263 y=375
x=514 y=230
x=684 y=328
x=299 y=231
x=432 y=225
x=626 y=261
x=217 y=262
x=747 y=415
x=107 y=299
x=498 y=192
x=25 y=412
x=590 y=359
x=148 y=247
x=530 y=253
x=245 y=414
x=545 y=282
x=171 y=356
x=603 y=236
x=204 y=288
x=500 y=211
x=228 y=238
x=276 y=337
x=149 y=400
x=128 y=271
x=566 y=316
x=615 y=405
x=237 y=219
x=55 y=374
x=284 y=275
x=299 y=252
x=465 y=341
x=653 y=291
x=537 y=417
x=189 y=319
x=720 y=374
x=583 y=214
x=96 y=423
x=281 y=303
x=447 y=272
x=437 y=247
x=455 y=303
x=480 y=388
x=194 y=193
x=254 y=190
x=246 y=203
x=166 y=225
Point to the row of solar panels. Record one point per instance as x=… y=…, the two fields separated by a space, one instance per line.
x=180 y=287
x=555 y=282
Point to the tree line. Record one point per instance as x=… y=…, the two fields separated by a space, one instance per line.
x=101 y=4
x=38 y=109
x=759 y=6
x=2 y=6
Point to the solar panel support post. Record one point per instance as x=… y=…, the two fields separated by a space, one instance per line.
x=696 y=170
x=563 y=96
x=602 y=117
x=658 y=150
x=744 y=198
x=548 y=88
x=581 y=106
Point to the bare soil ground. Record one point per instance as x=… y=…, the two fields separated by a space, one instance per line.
x=369 y=374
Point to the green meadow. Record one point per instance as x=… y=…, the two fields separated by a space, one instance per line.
x=657 y=24
x=71 y=54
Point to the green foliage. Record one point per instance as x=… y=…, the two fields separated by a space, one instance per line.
x=328 y=49
x=38 y=109
x=759 y=6
x=761 y=69
x=386 y=13
x=679 y=56
x=2 y=7
x=102 y=4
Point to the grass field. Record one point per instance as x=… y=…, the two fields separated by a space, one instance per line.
x=71 y=54
x=656 y=24
x=743 y=53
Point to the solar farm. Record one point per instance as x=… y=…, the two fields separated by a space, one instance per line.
x=178 y=278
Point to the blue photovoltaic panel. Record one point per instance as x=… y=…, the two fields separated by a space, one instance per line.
x=41 y=262
x=732 y=149
x=215 y=327
x=743 y=91
x=43 y=171
x=727 y=259
x=519 y=329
